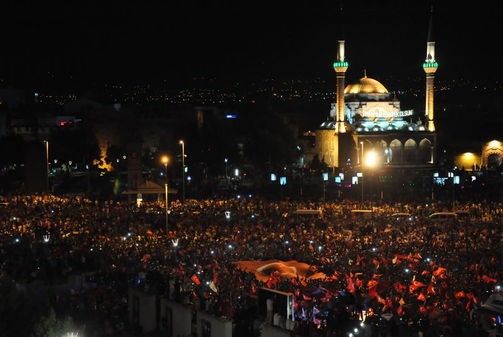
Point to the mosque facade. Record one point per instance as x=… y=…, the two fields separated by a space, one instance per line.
x=367 y=123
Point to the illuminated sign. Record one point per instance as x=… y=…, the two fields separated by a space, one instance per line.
x=381 y=113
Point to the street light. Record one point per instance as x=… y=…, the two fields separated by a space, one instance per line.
x=369 y=161
x=46 y=165
x=361 y=164
x=183 y=170
x=165 y=161
x=226 y=177
x=325 y=179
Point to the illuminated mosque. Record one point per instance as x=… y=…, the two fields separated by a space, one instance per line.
x=367 y=123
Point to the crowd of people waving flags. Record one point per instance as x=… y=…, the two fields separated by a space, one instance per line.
x=217 y=253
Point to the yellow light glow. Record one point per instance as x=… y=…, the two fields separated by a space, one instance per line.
x=371 y=159
x=165 y=160
x=102 y=164
x=467 y=160
x=494 y=143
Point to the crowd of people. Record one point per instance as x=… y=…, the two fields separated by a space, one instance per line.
x=384 y=277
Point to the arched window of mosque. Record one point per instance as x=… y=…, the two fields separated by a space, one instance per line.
x=409 y=152
x=494 y=161
x=424 y=151
x=384 y=152
x=395 y=151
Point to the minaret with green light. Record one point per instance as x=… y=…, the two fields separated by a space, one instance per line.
x=430 y=67
x=340 y=67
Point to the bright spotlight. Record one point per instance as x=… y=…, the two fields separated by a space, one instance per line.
x=371 y=158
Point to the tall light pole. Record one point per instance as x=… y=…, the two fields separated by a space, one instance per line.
x=226 y=177
x=369 y=161
x=165 y=161
x=46 y=165
x=361 y=165
x=183 y=170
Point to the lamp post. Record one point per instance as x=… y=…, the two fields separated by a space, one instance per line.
x=370 y=161
x=46 y=143
x=226 y=177
x=325 y=179
x=183 y=170
x=165 y=161
x=361 y=165
x=451 y=175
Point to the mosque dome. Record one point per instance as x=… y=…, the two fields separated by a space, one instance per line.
x=366 y=85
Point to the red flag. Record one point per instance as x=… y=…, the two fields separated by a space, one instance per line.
x=271 y=282
x=388 y=304
x=350 y=283
x=470 y=296
x=439 y=271
x=430 y=289
x=400 y=288
x=468 y=305
x=421 y=297
x=215 y=275
x=358 y=283
x=417 y=256
x=373 y=292
x=471 y=299
x=415 y=285
x=195 y=279
x=459 y=294
x=488 y=279
x=371 y=283
x=399 y=310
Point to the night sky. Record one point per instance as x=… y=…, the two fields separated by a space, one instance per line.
x=242 y=40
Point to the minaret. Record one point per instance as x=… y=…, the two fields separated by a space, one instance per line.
x=430 y=67
x=340 y=67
